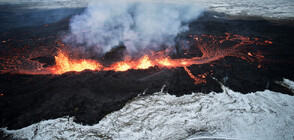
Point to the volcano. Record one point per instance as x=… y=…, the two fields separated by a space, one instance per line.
x=42 y=77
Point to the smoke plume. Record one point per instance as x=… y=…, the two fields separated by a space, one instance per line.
x=139 y=26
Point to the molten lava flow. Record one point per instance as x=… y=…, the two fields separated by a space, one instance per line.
x=208 y=45
x=64 y=64
x=120 y=66
x=212 y=48
x=167 y=62
x=144 y=63
x=197 y=79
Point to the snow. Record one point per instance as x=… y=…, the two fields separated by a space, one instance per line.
x=288 y=83
x=269 y=9
x=47 y=4
x=227 y=115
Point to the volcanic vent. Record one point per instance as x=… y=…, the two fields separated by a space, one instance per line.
x=195 y=50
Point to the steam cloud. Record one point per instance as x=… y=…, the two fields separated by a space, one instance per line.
x=140 y=26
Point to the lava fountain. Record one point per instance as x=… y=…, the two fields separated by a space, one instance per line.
x=64 y=64
x=211 y=52
x=212 y=48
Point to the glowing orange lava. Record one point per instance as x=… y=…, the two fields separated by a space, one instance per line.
x=210 y=52
x=165 y=62
x=64 y=64
x=198 y=80
x=121 y=66
x=144 y=63
x=212 y=47
x=160 y=59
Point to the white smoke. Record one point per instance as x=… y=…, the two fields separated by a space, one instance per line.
x=140 y=26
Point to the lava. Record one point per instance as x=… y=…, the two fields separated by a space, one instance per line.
x=64 y=64
x=165 y=62
x=212 y=48
x=198 y=80
x=121 y=66
x=142 y=63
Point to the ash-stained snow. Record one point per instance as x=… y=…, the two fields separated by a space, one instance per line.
x=46 y=4
x=269 y=9
x=260 y=115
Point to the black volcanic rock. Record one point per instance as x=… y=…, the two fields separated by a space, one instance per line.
x=88 y=95
x=48 y=61
x=83 y=95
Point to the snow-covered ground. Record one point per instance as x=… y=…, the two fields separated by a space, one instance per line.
x=259 y=115
x=47 y=4
x=270 y=9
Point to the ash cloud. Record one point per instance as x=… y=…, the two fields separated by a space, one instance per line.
x=140 y=26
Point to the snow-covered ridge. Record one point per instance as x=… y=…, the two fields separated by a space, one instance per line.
x=47 y=4
x=287 y=83
x=269 y=9
x=258 y=115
